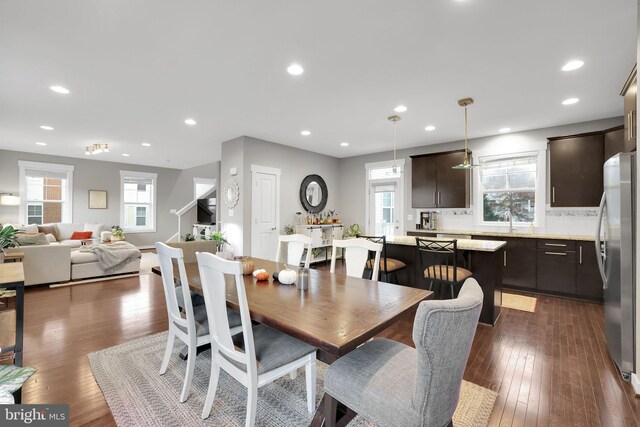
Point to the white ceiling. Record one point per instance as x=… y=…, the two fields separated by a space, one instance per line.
x=136 y=70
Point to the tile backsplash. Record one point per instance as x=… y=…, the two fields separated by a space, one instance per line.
x=571 y=221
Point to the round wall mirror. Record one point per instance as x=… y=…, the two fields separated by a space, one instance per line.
x=313 y=193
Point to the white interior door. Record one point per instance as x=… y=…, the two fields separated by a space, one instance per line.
x=264 y=213
x=384 y=210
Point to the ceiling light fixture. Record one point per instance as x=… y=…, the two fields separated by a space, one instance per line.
x=45 y=127
x=573 y=65
x=400 y=109
x=570 y=101
x=60 y=89
x=125 y=155
x=295 y=69
x=504 y=130
x=96 y=149
x=305 y=133
x=8 y=199
x=146 y=144
x=430 y=128
x=395 y=118
x=190 y=122
x=344 y=144
x=466 y=164
x=41 y=143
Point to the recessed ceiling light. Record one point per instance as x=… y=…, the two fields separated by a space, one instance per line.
x=60 y=89
x=45 y=127
x=344 y=144
x=504 y=130
x=305 y=133
x=295 y=69
x=41 y=143
x=573 y=65
x=125 y=155
x=400 y=109
x=430 y=128
x=146 y=144
x=190 y=122
x=570 y=101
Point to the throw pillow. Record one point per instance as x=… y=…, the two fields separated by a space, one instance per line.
x=51 y=238
x=81 y=235
x=25 y=239
x=30 y=228
x=96 y=229
x=48 y=229
x=11 y=379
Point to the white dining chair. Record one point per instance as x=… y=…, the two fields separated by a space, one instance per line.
x=356 y=255
x=260 y=354
x=190 y=326
x=296 y=244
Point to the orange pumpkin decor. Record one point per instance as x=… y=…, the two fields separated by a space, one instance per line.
x=263 y=275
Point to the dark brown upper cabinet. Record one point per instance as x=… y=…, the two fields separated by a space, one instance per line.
x=434 y=184
x=575 y=170
x=630 y=117
x=614 y=142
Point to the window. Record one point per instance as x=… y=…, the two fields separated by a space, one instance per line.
x=47 y=190
x=138 y=201
x=202 y=186
x=384 y=198
x=508 y=189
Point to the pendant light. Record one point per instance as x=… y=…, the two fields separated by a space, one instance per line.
x=394 y=119
x=466 y=164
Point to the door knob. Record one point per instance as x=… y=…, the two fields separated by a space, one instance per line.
x=273 y=229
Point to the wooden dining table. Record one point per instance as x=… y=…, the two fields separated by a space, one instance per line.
x=335 y=314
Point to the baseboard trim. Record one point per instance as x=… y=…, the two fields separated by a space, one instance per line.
x=96 y=279
x=146 y=247
x=635 y=383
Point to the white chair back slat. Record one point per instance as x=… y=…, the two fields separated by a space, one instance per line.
x=212 y=276
x=296 y=244
x=167 y=256
x=356 y=255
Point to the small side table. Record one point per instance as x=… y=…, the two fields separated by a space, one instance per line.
x=14 y=257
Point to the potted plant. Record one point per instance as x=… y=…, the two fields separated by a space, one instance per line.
x=289 y=229
x=353 y=231
x=7 y=240
x=220 y=240
x=117 y=233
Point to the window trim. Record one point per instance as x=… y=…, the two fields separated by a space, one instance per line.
x=153 y=205
x=23 y=165
x=478 y=214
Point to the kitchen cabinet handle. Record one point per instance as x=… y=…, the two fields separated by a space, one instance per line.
x=505 y=258
x=435 y=203
x=632 y=125
x=439 y=194
x=556 y=253
x=561 y=245
x=553 y=194
x=627 y=125
x=580 y=254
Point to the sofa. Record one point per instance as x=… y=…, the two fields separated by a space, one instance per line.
x=61 y=261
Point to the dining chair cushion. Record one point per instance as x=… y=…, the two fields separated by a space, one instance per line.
x=392 y=265
x=273 y=348
x=446 y=273
x=377 y=381
x=196 y=299
x=200 y=317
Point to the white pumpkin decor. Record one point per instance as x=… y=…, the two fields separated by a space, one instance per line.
x=287 y=276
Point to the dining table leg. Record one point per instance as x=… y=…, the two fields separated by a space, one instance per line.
x=331 y=413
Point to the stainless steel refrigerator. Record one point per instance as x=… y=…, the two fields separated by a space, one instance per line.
x=615 y=246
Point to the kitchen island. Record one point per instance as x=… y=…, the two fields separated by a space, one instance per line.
x=483 y=257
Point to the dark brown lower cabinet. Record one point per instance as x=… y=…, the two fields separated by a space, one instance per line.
x=556 y=270
x=520 y=263
x=588 y=281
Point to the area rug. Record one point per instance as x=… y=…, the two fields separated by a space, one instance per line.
x=519 y=302
x=138 y=396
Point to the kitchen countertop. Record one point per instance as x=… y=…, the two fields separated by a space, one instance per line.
x=463 y=244
x=503 y=234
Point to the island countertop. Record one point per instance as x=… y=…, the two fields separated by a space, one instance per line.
x=517 y=234
x=463 y=244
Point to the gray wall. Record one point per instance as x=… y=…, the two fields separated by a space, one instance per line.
x=294 y=164
x=175 y=189
x=351 y=202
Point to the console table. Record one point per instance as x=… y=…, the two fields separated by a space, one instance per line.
x=12 y=278
x=322 y=236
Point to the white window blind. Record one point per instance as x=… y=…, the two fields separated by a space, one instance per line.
x=46 y=190
x=138 y=201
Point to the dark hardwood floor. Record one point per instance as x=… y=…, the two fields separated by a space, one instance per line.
x=550 y=368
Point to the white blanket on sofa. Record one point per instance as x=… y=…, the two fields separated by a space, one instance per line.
x=114 y=255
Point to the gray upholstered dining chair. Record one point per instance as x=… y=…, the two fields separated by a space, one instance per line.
x=392 y=384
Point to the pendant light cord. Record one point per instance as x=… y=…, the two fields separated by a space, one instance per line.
x=395 y=168
x=466 y=143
